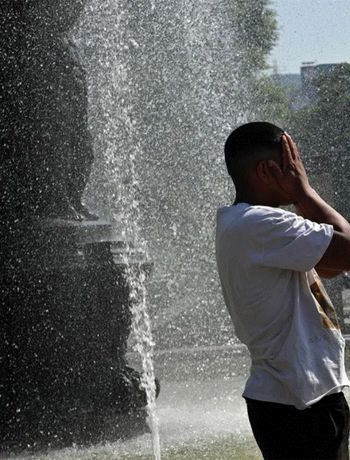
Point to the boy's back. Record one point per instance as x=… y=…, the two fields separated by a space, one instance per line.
x=263 y=257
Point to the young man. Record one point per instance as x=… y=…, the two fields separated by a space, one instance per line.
x=269 y=260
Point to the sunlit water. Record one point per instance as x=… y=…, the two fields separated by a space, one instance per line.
x=155 y=105
x=163 y=94
x=141 y=327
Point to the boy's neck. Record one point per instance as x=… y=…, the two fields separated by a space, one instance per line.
x=255 y=200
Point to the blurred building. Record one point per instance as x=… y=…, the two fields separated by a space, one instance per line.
x=292 y=83
x=302 y=87
x=310 y=72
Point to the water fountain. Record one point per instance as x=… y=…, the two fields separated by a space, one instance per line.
x=160 y=108
x=67 y=302
x=165 y=82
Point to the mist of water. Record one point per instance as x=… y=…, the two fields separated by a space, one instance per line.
x=174 y=72
x=163 y=83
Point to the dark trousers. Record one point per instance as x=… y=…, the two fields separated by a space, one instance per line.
x=283 y=432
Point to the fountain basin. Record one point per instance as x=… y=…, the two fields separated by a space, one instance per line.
x=66 y=322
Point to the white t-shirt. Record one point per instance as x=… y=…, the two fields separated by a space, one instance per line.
x=265 y=260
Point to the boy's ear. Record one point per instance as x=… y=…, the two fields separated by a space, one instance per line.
x=262 y=171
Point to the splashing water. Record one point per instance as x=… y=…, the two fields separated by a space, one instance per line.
x=172 y=72
x=141 y=327
x=162 y=81
x=120 y=189
x=128 y=218
x=135 y=274
x=144 y=345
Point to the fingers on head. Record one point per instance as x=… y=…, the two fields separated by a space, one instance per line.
x=292 y=147
x=287 y=149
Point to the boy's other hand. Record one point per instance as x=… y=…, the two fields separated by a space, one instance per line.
x=291 y=176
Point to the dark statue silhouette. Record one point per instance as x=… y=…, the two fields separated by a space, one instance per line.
x=45 y=141
x=64 y=305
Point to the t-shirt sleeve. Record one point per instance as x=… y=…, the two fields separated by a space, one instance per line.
x=288 y=241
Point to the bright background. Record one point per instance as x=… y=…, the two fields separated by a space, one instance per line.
x=311 y=30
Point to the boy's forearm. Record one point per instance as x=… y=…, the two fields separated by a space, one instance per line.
x=292 y=179
x=311 y=206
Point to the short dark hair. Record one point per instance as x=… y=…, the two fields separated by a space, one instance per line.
x=251 y=141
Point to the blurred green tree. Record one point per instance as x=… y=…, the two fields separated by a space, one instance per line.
x=256 y=32
x=323 y=132
x=270 y=101
x=330 y=112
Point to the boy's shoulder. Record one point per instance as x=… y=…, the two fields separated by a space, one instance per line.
x=256 y=221
x=248 y=212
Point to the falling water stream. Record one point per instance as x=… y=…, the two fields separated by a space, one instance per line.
x=161 y=78
x=151 y=76
x=125 y=215
x=135 y=273
x=144 y=346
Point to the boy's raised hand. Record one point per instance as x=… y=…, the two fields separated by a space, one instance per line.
x=291 y=176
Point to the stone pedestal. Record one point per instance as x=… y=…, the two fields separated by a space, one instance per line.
x=65 y=321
